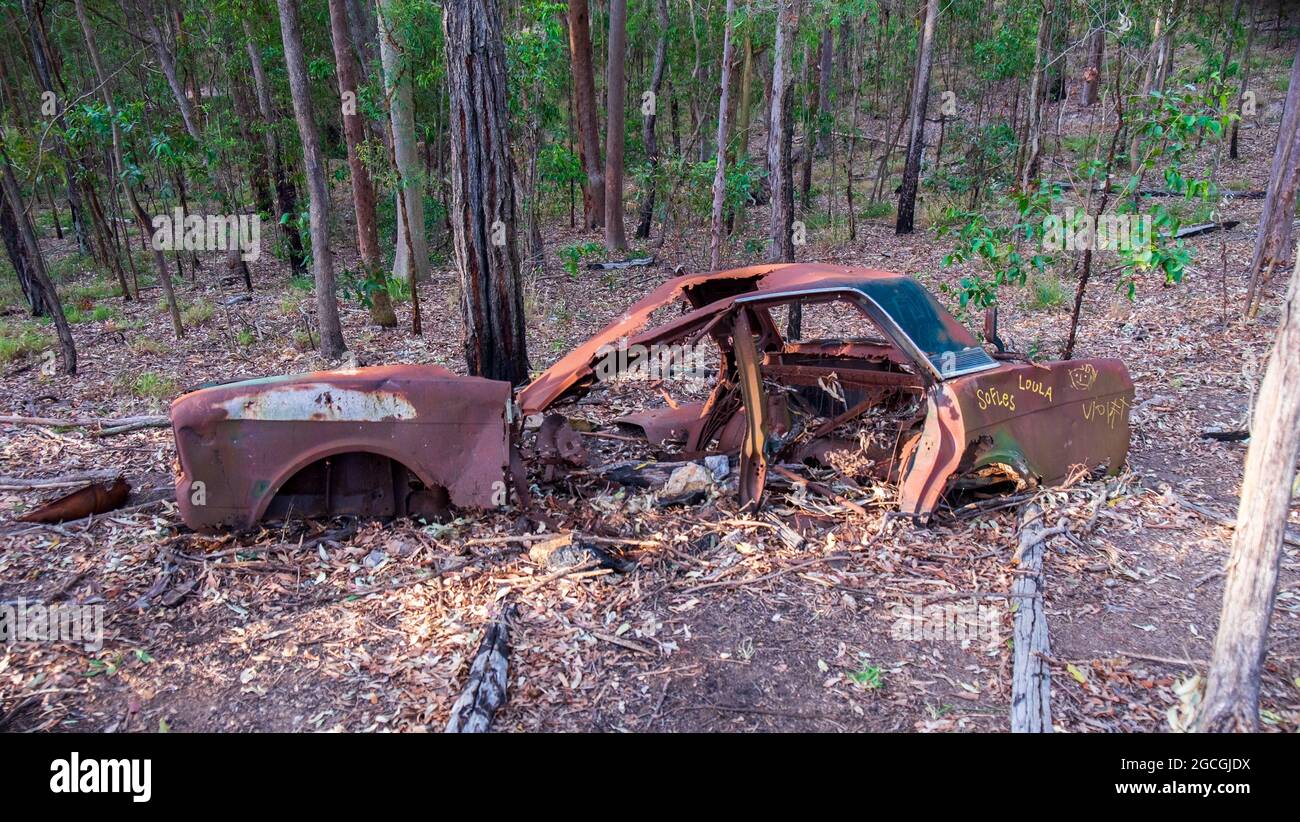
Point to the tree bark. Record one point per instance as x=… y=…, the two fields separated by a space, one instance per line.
x=649 y=137
x=1273 y=239
x=322 y=262
x=1232 y=688
x=615 y=126
x=41 y=63
x=720 y=173
x=142 y=220
x=584 y=95
x=916 y=133
x=1032 y=153
x=1092 y=75
x=285 y=196
x=411 y=260
x=780 y=235
x=482 y=207
x=820 y=108
x=363 y=190
x=48 y=293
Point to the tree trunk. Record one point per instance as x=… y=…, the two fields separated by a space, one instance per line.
x=1032 y=154
x=1092 y=75
x=820 y=107
x=363 y=190
x=780 y=235
x=22 y=264
x=482 y=206
x=615 y=125
x=720 y=174
x=1273 y=239
x=285 y=197
x=48 y=294
x=584 y=94
x=1232 y=688
x=411 y=261
x=322 y=262
x=142 y=220
x=916 y=133
x=41 y=63
x=648 y=135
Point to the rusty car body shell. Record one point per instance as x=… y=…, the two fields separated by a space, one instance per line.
x=243 y=441
x=1034 y=421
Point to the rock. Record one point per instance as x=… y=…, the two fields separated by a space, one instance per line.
x=687 y=484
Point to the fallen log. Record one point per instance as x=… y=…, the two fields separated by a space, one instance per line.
x=1031 y=686
x=107 y=425
x=62 y=481
x=635 y=262
x=485 y=691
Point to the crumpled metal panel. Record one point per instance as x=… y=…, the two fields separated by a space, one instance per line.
x=1040 y=420
x=239 y=443
x=697 y=289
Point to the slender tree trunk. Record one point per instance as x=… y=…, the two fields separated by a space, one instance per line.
x=1232 y=688
x=363 y=190
x=143 y=223
x=649 y=137
x=820 y=107
x=482 y=192
x=584 y=94
x=615 y=126
x=49 y=295
x=285 y=197
x=322 y=261
x=411 y=261
x=1092 y=75
x=1273 y=239
x=22 y=264
x=780 y=235
x=720 y=174
x=44 y=75
x=1245 y=80
x=1032 y=153
x=916 y=134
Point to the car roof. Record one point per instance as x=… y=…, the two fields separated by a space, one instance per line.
x=911 y=306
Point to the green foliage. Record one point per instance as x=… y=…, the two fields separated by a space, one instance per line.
x=1003 y=251
x=573 y=255
x=148 y=385
x=19 y=340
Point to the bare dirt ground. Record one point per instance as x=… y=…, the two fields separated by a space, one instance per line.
x=719 y=624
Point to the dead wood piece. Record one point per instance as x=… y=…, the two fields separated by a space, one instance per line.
x=62 y=481
x=108 y=425
x=1031 y=688
x=485 y=691
x=634 y=262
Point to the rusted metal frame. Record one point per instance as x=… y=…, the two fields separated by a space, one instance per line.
x=753 y=460
x=871 y=309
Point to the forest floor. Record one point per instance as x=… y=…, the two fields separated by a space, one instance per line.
x=719 y=623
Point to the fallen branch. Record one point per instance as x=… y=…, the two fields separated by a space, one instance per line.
x=485 y=691
x=107 y=425
x=63 y=481
x=1031 y=686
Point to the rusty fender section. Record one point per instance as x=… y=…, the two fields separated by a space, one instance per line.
x=1036 y=420
x=238 y=444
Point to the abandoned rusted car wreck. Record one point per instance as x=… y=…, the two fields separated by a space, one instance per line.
x=884 y=384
